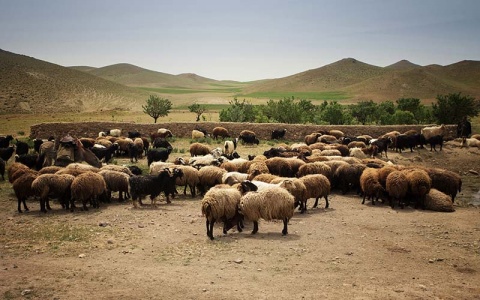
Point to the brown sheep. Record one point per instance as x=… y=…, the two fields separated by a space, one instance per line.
x=370 y=185
x=317 y=186
x=198 y=149
x=220 y=132
x=419 y=184
x=47 y=184
x=312 y=138
x=22 y=187
x=397 y=187
x=86 y=187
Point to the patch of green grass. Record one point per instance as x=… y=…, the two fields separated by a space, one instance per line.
x=333 y=95
x=179 y=91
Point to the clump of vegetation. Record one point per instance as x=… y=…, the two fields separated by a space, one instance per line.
x=157 y=107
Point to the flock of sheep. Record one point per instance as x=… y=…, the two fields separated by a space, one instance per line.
x=269 y=186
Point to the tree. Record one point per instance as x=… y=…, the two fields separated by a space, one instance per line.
x=363 y=111
x=157 y=107
x=198 y=109
x=452 y=108
x=333 y=114
x=403 y=117
x=238 y=112
x=414 y=106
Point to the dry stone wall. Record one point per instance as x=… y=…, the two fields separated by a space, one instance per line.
x=295 y=132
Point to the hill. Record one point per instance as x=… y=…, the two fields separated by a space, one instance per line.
x=402 y=65
x=131 y=75
x=361 y=81
x=29 y=85
x=331 y=77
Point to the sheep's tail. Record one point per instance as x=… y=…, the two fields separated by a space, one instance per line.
x=206 y=209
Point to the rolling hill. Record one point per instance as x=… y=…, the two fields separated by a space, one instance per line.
x=29 y=85
x=134 y=76
x=362 y=81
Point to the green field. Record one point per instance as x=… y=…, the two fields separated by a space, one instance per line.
x=334 y=96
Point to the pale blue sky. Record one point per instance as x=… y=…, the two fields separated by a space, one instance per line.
x=240 y=40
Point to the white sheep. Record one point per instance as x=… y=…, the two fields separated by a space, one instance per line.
x=231 y=178
x=432 y=131
x=470 y=142
x=197 y=134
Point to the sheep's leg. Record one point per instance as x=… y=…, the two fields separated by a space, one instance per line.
x=285 y=224
x=255 y=227
x=42 y=205
x=316 y=203
x=20 y=200
x=185 y=189
x=210 y=229
x=192 y=190
x=326 y=200
x=364 y=196
x=47 y=202
x=240 y=225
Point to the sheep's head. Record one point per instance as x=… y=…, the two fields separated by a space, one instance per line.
x=247 y=186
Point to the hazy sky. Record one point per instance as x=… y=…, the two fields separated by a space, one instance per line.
x=240 y=40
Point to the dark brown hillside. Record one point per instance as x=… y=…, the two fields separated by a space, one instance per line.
x=29 y=85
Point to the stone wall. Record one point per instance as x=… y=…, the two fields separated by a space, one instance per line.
x=295 y=132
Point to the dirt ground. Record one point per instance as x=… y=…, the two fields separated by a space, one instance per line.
x=348 y=251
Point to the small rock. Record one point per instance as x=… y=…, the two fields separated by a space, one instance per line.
x=473 y=172
x=82 y=255
x=141 y=226
x=259 y=269
x=422 y=287
x=103 y=224
x=14 y=266
x=238 y=261
x=398 y=291
x=204 y=290
x=26 y=292
x=110 y=241
x=431 y=261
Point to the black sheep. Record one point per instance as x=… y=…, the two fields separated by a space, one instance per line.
x=134 y=134
x=435 y=140
x=158 y=154
x=135 y=170
x=278 y=134
x=161 y=143
x=5 y=141
x=6 y=153
x=105 y=153
x=249 y=139
x=382 y=144
x=22 y=148
x=2 y=168
x=30 y=160
x=152 y=185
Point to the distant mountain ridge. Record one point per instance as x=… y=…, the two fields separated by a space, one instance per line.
x=132 y=75
x=29 y=85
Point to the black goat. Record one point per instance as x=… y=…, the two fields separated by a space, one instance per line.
x=30 y=160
